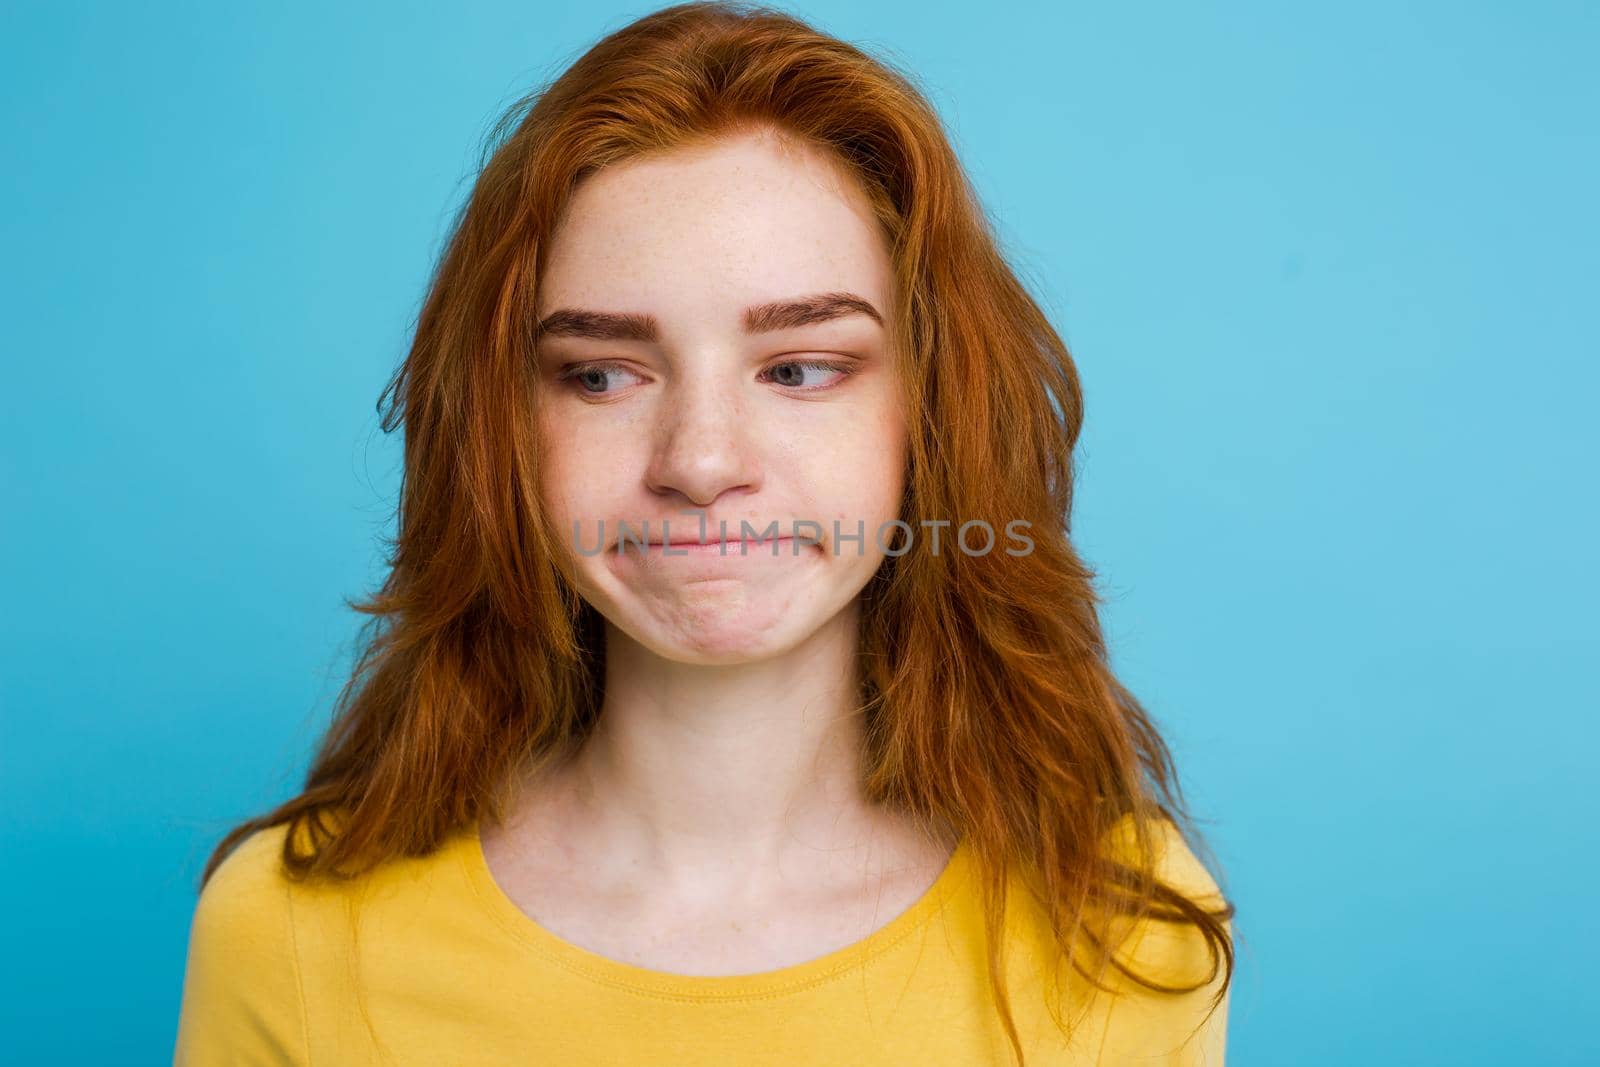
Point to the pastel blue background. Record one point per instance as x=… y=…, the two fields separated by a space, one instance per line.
x=1330 y=277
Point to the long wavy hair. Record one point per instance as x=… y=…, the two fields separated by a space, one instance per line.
x=987 y=697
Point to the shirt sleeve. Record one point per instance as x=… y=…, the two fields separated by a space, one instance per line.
x=242 y=1002
x=1171 y=1029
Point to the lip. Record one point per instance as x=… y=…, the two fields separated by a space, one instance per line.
x=731 y=549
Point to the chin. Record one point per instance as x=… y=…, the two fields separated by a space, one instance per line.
x=723 y=638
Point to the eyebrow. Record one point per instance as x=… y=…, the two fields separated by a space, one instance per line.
x=762 y=318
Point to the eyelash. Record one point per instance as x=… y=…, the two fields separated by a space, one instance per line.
x=576 y=370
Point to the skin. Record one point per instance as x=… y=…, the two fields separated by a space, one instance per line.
x=714 y=822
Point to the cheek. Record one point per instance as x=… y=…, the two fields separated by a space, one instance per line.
x=886 y=452
x=588 y=470
x=863 y=474
x=567 y=484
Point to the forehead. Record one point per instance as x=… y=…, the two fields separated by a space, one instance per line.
x=714 y=228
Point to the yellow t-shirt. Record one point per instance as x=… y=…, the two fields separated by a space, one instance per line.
x=453 y=972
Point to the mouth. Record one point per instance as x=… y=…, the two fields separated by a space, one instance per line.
x=732 y=548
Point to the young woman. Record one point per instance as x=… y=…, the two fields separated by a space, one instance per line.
x=736 y=695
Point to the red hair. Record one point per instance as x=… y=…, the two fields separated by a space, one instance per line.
x=988 y=702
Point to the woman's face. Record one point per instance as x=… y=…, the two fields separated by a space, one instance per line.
x=715 y=343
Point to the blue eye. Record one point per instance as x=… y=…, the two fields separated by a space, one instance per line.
x=791 y=373
x=591 y=378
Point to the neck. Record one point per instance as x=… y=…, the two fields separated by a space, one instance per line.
x=711 y=776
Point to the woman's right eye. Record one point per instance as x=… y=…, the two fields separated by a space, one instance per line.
x=591 y=379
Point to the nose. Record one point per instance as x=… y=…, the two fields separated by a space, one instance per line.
x=703 y=447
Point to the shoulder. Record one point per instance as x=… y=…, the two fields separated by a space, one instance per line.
x=1173 y=859
x=241 y=988
x=1187 y=1026
x=249 y=874
x=1174 y=952
x=244 y=905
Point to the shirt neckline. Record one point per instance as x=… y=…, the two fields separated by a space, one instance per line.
x=667 y=985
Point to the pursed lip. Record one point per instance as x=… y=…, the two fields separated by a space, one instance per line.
x=774 y=547
x=729 y=541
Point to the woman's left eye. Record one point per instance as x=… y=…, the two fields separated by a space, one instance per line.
x=793 y=373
